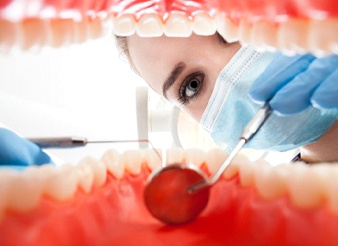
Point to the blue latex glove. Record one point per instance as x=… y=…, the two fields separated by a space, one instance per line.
x=18 y=151
x=296 y=83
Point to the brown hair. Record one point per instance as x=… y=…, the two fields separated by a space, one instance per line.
x=122 y=47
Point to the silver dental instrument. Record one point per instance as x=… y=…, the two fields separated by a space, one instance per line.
x=178 y=193
x=71 y=142
x=249 y=131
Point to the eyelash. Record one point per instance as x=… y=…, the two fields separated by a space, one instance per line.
x=182 y=92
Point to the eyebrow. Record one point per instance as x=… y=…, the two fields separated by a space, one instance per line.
x=174 y=74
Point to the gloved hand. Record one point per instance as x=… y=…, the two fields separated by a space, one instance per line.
x=296 y=83
x=18 y=151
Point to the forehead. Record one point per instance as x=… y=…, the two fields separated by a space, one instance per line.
x=154 y=58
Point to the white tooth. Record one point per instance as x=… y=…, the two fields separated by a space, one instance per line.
x=133 y=160
x=304 y=188
x=33 y=33
x=6 y=180
x=233 y=168
x=323 y=36
x=203 y=24
x=292 y=36
x=150 y=25
x=113 y=161
x=25 y=191
x=62 y=32
x=331 y=186
x=63 y=183
x=10 y=35
x=85 y=176
x=214 y=158
x=244 y=32
x=246 y=173
x=99 y=170
x=152 y=159
x=264 y=35
x=227 y=29
x=175 y=156
x=177 y=25
x=95 y=28
x=81 y=31
x=124 y=25
x=270 y=181
x=196 y=157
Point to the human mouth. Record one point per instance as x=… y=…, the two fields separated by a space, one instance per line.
x=100 y=202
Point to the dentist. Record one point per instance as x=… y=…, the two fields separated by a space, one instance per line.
x=222 y=85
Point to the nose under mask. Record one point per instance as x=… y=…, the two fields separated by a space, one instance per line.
x=230 y=109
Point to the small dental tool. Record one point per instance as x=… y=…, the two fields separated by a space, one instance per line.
x=178 y=193
x=71 y=142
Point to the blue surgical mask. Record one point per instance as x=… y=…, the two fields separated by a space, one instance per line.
x=230 y=109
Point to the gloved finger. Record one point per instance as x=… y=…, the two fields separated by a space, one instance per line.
x=326 y=95
x=279 y=72
x=295 y=96
x=15 y=150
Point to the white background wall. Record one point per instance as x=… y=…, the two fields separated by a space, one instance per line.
x=81 y=90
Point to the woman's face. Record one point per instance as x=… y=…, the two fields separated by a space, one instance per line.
x=183 y=70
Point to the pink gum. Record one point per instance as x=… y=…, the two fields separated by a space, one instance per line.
x=270 y=10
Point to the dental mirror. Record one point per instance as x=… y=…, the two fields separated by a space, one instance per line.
x=178 y=193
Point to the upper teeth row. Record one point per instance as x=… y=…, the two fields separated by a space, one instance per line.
x=290 y=35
